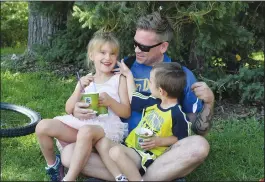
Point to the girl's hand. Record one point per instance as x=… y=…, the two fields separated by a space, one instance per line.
x=86 y=80
x=123 y=69
x=104 y=99
x=151 y=143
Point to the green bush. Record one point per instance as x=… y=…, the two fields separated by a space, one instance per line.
x=246 y=87
x=14 y=24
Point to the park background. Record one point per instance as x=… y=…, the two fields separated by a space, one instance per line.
x=43 y=44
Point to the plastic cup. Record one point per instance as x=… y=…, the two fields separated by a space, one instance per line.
x=92 y=99
x=141 y=134
x=102 y=110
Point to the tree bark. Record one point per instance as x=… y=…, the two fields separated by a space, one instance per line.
x=45 y=19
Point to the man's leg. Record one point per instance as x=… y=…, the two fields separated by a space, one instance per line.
x=184 y=156
x=93 y=168
x=87 y=137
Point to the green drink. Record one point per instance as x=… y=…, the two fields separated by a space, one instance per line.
x=92 y=99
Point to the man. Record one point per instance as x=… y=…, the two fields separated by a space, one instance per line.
x=151 y=41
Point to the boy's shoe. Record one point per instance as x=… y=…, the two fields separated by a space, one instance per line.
x=56 y=172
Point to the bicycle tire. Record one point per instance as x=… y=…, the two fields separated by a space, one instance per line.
x=21 y=130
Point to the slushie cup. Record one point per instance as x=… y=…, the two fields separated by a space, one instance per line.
x=91 y=99
x=141 y=134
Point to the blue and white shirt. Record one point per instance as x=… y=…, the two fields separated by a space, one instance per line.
x=141 y=74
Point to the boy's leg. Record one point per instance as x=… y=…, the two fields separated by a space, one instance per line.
x=184 y=156
x=86 y=138
x=46 y=130
x=127 y=160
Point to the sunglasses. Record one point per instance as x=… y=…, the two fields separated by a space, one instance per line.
x=145 y=48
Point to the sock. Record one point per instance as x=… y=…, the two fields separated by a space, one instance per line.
x=56 y=160
x=121 y=177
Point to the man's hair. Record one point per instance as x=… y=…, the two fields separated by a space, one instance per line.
x=157 y=23
x=171 y=78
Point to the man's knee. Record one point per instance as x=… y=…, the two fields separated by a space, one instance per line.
x=66 y=155
x=115 y=153
x=198 y=146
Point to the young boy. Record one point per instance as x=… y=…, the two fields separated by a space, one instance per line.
x=162 y=118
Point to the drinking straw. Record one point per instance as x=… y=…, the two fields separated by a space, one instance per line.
x=78 y=78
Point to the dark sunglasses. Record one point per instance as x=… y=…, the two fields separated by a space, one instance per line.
x=145 y=48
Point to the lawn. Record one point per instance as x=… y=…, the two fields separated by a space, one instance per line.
x=237 y=146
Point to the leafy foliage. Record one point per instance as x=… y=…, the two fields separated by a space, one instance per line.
x=14 y=24
x=246 y=87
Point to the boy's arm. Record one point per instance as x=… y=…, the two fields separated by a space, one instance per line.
x=157 y=141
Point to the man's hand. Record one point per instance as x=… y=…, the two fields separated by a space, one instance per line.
x=82 y=112
x=203 y=92
x=104 y=99
x=151 y=143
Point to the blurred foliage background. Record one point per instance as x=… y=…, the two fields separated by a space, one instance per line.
x=222 y=42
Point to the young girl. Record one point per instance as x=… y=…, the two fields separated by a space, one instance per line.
x=103 y=52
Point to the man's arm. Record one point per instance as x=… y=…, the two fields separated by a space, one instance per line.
x=202 y=121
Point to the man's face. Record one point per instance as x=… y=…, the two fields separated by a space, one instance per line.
x=148 y=38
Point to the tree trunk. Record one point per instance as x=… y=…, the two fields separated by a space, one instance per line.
x=45 y=19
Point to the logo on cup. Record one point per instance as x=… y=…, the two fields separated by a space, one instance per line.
x=88 y=100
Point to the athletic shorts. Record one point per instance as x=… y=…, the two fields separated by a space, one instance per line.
x=147 y=158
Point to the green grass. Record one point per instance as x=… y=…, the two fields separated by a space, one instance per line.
x=11 y=50
x=237 y=146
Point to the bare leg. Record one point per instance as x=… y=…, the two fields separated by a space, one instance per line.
x=86 y=138
x=46 y=130
x=127 y=160
x=103 y=147
x=94 y=167
x=184 y=156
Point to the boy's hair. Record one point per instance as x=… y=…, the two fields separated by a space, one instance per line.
x=98 y=40
x=171 y=78
x=157 y=23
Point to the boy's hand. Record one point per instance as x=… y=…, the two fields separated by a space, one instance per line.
x=104 y=99
x=151 y=143
x=123 y=69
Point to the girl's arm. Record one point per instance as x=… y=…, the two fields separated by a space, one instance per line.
x=123 y=108
x=124 y=70
x=76 y=95
x=130 y=85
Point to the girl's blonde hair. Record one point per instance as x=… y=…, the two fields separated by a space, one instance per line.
x=98 y=40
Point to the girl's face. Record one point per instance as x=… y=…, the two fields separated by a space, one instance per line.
x=104 y=58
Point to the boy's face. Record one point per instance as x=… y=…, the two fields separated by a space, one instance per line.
x=152 y=85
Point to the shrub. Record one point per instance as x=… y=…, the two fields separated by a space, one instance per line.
x=14 y=24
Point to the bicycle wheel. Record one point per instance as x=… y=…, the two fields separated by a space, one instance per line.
x=17 y=120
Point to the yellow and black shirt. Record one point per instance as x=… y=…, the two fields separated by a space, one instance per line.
x=163 y=122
